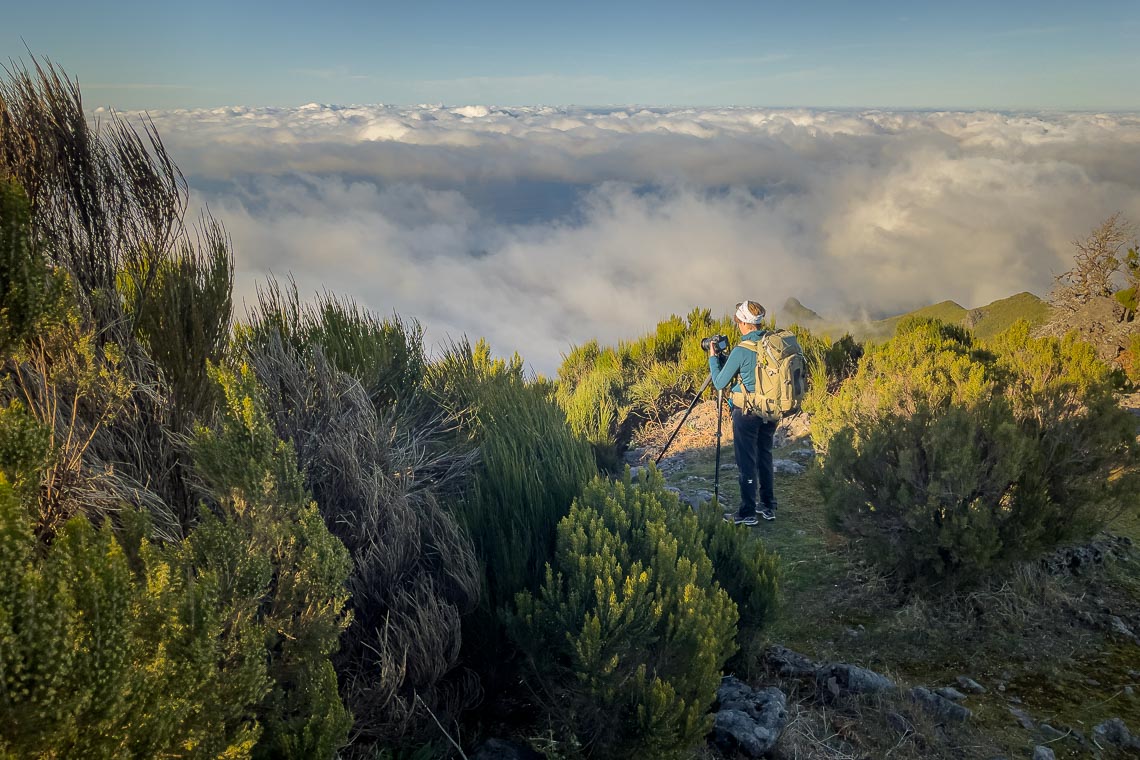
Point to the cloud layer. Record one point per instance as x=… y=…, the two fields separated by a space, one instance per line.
x=543 y=227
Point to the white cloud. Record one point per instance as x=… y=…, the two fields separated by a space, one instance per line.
x=543 y=227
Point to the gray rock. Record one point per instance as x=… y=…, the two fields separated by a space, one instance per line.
x=1023 y=718
x=498 y=749
x=969 y=684
x=1041 y=752
x=748 y=720
x=789 y=664
x=1114 y=732
x=839 y=679
x=788 y=467
x=1119 y=627
x=949 y=692
x=939 y=706
x=1051 y=734
x=802 y=455
x=635 y=473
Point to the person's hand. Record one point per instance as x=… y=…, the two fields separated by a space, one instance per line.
x=712 y=348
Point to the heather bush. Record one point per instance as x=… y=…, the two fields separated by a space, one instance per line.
x=25 y=281
x=280 y=567
x=530 y=465
x=629 y=631
x=945 y=458
x=376 y=482
x=107 y=207
x=107 y=655
x=606 y=392
x=385 y=355
x=184 y=316
x=744 y=568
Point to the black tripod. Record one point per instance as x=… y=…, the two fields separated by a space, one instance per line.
x=719 y=415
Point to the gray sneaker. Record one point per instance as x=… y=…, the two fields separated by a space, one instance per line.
x=767 y=513
x=732 y=517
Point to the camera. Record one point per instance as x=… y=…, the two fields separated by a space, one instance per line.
x=720 y=342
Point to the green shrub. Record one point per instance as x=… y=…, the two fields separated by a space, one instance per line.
x=743 y=567
x=414 y=570
x=606 y=392
x=182 y=308
x=628 y=634
x=100 y=660
x=24 y=277
x=946 y=459
x=385 y=355
x=531 y=466
x=282 y=568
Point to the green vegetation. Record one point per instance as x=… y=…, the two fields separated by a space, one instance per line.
x=608 y=392
x=629 y=631
x=945 y=458
x=991 y=321
x=25 y=281
x=531 y=467
x=985 y=321
x=303 y=537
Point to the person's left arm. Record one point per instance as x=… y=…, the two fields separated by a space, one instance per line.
x=722 y=375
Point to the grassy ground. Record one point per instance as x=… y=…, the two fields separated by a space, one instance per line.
x=1037 y=642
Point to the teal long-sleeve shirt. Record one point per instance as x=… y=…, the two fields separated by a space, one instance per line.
x=740 y=361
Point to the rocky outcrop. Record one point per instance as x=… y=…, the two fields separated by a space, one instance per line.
x=748 y=721
x=938 y=705
x=1115 y=733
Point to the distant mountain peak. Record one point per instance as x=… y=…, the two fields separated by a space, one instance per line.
x=794 y=311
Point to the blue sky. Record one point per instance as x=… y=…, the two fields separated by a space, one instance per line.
x=1003 y=55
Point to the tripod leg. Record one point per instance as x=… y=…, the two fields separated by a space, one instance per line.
x=692 y=404
x=716 y=473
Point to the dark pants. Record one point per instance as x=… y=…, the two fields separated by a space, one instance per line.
x=752 y=440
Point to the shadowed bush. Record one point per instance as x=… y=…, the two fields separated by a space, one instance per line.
x=629 y=631
x=215 y=645
x=25 y=280
x=947 y=459
x=184 y=316
x=385 y=355
x=279 y=565
x=107 y=210
x=414 y=572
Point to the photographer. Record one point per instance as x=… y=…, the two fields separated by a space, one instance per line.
x=752 y=435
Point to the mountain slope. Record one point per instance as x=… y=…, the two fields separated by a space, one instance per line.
x=985 y=321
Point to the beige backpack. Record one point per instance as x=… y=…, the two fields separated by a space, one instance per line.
x=781 y=377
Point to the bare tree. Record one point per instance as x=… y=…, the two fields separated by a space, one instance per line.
x=1097 y=265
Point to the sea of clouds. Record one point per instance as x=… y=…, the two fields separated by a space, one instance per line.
x=540 y=228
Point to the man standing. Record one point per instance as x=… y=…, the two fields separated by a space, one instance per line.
x=752 y=434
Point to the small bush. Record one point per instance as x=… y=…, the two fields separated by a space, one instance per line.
x=630 y=629
x=946 y=458
x=414 y=571
x=184 y=316
x=385 y=355
x=282 y=568
x=101 y=660
x=531 y=465
x=25 y=280
x=743 y=567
